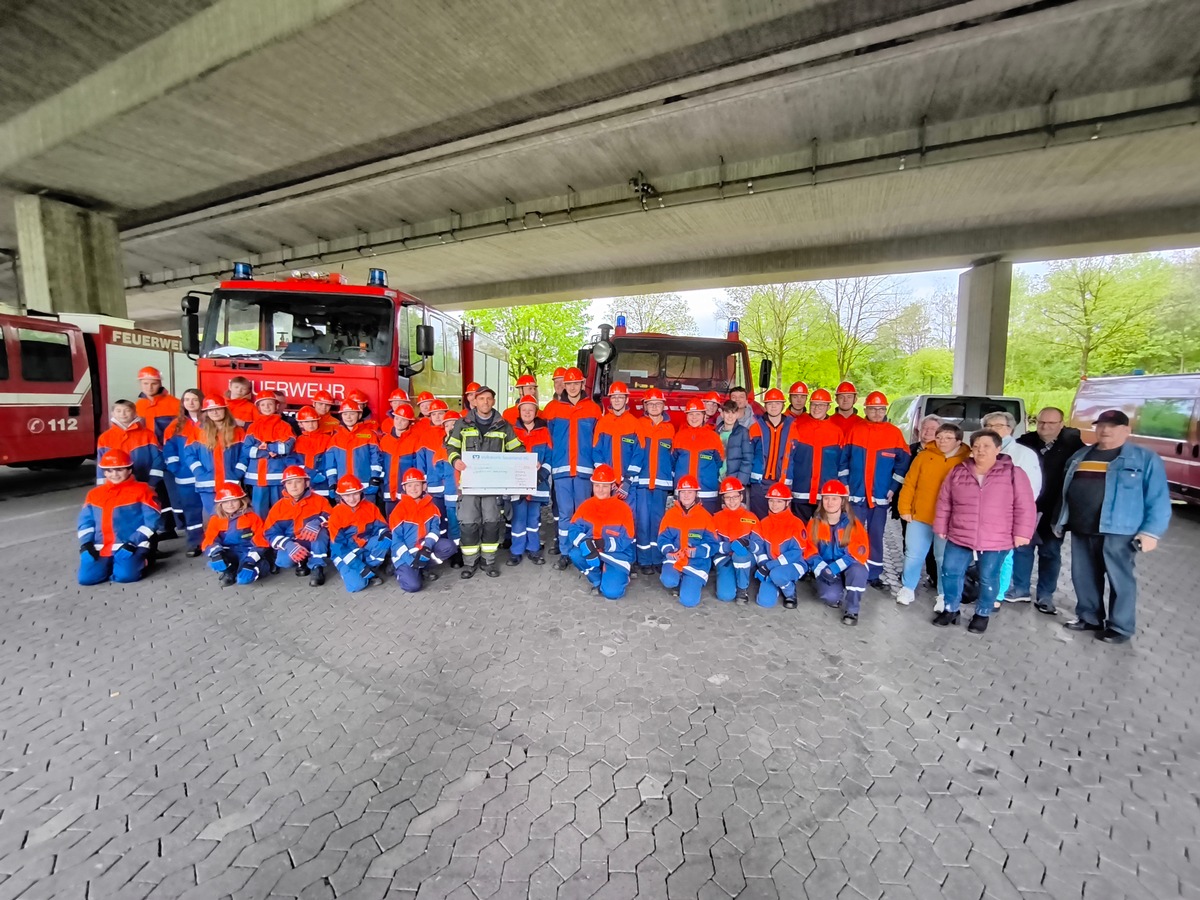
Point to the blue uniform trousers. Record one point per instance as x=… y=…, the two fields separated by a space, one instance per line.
x=849 y=587
x=358 y=572
x=409 y=576
x=689 y=583
x=526 y=524
x=649 y=508
x=571 y=492
x=122 y=567
x=874 y=519
x=611 y=579
x=733 y=574
x=263 y=498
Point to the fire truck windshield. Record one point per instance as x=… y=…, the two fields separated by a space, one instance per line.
x=299 y=326
x=650 y=363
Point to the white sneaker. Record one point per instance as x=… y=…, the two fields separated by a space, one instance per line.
x=905 y=596
x=939 y=605
x=1021 y=598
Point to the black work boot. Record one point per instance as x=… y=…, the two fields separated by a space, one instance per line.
x=318 y=576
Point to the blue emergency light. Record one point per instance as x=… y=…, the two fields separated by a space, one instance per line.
x=243 y=271
x=377 y=278
x=620 y=321
x=733 y=325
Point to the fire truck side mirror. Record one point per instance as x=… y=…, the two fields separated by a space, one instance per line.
x=189 y=324
x=425 y=340
x=764 y=375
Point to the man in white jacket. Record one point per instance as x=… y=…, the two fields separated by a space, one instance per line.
x=1004 y=424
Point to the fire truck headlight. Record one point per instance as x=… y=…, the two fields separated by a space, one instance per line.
x=602 y=352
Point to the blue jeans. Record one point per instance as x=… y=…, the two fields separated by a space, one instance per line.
x=918 y=538
x=1049 y=560
x=955 y=561
x=1093 y=556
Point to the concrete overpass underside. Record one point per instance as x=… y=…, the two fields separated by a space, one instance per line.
x=498 y=153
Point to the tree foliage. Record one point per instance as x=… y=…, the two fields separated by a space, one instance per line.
x=538 y=338
x=664 y=313
x=775 y=322
x=854 y=310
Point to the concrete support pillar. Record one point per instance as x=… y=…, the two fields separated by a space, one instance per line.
x=981 y=335
x=70 y=258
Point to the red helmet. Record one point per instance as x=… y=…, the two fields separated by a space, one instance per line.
x=774 y=395
x=438 y=406
x=618 y=387
x=526 y=381
x=820 y=395
x=799 y=388
x=834 y=488
x=149 y=372
x=604 y=474
x=472 y=388
x=116 y=459
x=731 y=485
x=294 y=472
x=212 y=401
x=404 y=411
x=399 y=395
x=348 y=484
x=425 y=397
x=264 y=395
x=713 y=397
x=451 y=415
x=528 y=399
x=876 y=398
x=652 y=395
x=307 y=414
x=560 y=372
x=359 y=396
x=779 y=491
x=350 y=405
x=230 y=490
x=687 y=483
x=694 y=406
x=846 y=387
x=409 y=475
x=572 y=374
x=323 y=397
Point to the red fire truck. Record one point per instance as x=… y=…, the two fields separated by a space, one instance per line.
x=311 y=331
x=60 y=374
x=683 y=368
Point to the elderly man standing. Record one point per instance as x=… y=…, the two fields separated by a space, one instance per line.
x=1054 y=445
x=1116 y=503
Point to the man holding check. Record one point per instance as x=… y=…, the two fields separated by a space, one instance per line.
x=479 y=515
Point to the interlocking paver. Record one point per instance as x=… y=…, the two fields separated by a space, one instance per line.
x=169 y=739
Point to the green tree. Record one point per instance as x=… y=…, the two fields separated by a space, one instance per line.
x=664 y=313
x=854 y=310
x=538 y=337
x=777 y=322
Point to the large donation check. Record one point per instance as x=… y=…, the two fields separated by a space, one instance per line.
x=499 y=473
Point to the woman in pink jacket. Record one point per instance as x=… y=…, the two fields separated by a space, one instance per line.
x=985 y=506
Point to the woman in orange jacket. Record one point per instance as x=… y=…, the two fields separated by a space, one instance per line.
x=917 y=505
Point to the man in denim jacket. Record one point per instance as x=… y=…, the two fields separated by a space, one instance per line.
x=1115 y=503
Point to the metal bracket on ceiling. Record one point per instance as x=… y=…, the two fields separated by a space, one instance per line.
x=922 y=136
x=1048 y=118
x=816 y=145
x=572 y=194
x=721 y=177
x=510 y=210
x=455 y=214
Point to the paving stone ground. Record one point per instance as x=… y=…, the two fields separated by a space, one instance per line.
x=522 y=738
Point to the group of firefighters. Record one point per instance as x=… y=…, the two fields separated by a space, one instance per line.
x=799 y=488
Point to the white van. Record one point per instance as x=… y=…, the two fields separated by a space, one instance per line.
x=963 y=410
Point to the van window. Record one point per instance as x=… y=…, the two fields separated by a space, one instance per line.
x=453 y=348
x=1170 y=419
x=45 y=355
x=3 y=358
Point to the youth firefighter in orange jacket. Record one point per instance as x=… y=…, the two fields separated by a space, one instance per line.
x=687 y=543
x=297 y=527
x=777 y=433
x=116 y=524
x=655 y=477
x=616 y=442
x=779 y=550
x=816 y=454
x=875 y=459
x=269 y=445
x=359 y=539
x=601 y=537
x=837 y=552
x=572 y=422
x=234 y=540
x=697 y=450
x=733 y=525
x=419 y=541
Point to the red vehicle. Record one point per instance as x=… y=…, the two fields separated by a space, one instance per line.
x=683 y=368
x=1164 y=415
x=60 y=374
x=311 y=332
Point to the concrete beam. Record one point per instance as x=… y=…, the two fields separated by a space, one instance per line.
x=70 y=258
x=227 y=30
x=981 y=332
x=1161 y=229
